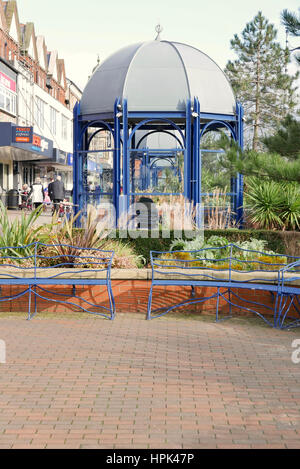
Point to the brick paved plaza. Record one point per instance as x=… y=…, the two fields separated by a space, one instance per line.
x=177 y=382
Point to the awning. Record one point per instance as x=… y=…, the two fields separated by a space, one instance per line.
x=39 y=149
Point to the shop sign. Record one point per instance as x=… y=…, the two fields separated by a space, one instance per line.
x=22 y=134
x=7 y=82
x=39 y=143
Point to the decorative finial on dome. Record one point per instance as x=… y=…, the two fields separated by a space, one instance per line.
x=98 y=63
x=159 y=29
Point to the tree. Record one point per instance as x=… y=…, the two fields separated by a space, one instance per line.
x=259 y=79
x=280 y=163
x=286 y=141
x=292 y=25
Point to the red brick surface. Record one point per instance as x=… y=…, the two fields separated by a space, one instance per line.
x=132 y=296
x=173 y=382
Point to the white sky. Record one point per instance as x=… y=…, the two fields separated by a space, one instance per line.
x=79 y=30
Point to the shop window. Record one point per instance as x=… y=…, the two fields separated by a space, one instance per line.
x=40 y=113
x=64 y=127
x=8 y=100
x=1 y=176
x=2 y=98
x=53 y=120
x=6 y=177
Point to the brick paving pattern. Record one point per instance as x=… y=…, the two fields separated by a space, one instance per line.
x=175 y=382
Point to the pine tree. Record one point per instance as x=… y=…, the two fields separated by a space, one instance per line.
x=259 y=78
x=286 y=140
x=292 y=25
x=281 y=163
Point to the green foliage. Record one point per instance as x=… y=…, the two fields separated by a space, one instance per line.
x=291 y=211
x=125 y=256
x=199 y=242
x=217 y=248
x=254 y=245
x=68 y=242
x=286 y=140
x=20 y=232
x=213 y=175
x=292 y=24
x=273 y=205
x=283 y=242
x=171 y=182
x=217 y=241
x=258 y=77
x=262 y=165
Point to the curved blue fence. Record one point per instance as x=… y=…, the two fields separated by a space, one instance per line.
x=38 y=265
x=228 y=268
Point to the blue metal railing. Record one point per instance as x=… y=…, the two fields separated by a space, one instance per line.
x=229 y=267
x=38 y=264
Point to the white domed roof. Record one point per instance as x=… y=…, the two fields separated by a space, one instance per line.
x=158 y=76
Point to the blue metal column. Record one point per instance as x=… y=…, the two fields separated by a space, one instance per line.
x=197 y=164
x=77 y=163
x=131 y=163
x=126 y=171
x=117 y=161
x=75 y=155
x=188 y=153
x=240 y=178
x=143 y=171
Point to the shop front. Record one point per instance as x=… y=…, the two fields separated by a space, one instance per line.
x=20 y=150
x=60 y=164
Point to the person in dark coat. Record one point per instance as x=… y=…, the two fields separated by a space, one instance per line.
x=49 y=189
x=56 y=191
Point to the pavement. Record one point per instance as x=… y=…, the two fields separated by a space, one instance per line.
x=181 y=382
x=43 y=219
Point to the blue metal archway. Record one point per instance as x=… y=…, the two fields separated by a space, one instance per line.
x=187 y=128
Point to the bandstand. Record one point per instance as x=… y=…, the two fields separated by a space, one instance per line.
x=158 y=100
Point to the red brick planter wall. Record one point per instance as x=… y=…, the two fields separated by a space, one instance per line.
x=131 y=296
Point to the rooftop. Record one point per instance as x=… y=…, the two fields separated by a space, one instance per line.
x=158 y=76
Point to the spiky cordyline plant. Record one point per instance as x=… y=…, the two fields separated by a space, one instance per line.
x=20 y=232
x=69 y=243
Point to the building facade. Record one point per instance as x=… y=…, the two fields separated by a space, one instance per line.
x=36 y=106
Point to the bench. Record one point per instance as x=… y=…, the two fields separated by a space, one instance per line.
x=38 y=266
x=288 y=295
x=227 y=269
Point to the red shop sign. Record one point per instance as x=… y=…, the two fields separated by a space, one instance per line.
x=7 y=82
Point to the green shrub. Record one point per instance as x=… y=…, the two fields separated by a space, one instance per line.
x=21 y=231
x=273 y=205
x=282 y=242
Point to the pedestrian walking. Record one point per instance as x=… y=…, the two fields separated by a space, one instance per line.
x=37 y=193
x=56 y=191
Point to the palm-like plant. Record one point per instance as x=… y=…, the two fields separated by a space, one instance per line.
x=264 y=203
x=291 y=212
x=69 y=244
x=20 y=232
x=273 y=205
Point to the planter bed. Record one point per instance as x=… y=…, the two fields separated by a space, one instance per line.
x=35 y=279
x=271 y=294
x=205 y=268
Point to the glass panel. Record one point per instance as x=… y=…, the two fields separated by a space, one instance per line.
x=164 y=212
x=217 y=210
x=213 y=176
x=156 y=172
x=98 y=176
